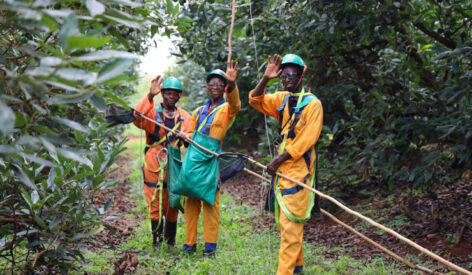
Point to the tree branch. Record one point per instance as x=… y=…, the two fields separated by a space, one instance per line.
x=436 y=36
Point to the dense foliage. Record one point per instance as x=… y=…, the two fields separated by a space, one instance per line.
x=394 y=77
x=60 y=63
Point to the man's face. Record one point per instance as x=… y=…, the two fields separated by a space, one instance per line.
x=290 y=77
x=217 y=88
x=171 y=97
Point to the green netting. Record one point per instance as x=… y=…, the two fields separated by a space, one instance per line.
x=173 y=172
x=199 y=175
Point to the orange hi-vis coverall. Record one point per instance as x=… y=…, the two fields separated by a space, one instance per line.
x=151 y=166
x=301 y=149
x=216 y=126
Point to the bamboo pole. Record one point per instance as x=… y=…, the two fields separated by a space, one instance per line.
x=333 y=200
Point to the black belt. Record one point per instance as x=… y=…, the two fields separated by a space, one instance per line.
x=154 y=185
x=291 y=191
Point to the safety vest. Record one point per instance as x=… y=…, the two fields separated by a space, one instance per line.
x=289 y=132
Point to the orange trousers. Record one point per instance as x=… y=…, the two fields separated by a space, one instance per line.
x=291 y=248
x=291 y=233
x=211 y=220
x=168 y=211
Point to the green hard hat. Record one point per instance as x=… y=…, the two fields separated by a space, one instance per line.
x=172 y=83
x=216 y=72
x=293 y=59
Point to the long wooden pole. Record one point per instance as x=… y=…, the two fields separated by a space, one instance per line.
x=379 y=246
x=333 y=200
x=230 y=34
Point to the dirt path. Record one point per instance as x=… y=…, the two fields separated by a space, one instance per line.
x=322 y=231
x=123 y=214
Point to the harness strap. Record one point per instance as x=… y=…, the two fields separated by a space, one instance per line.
x=204 y=122
x=290 y=133
x=154 y=184
x=160 y=187
x=291 y=191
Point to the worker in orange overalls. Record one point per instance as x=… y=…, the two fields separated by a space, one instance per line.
x=155 y=160
x=300 y=117
x=212 y=119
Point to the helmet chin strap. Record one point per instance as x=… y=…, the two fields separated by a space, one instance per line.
x=301 y=77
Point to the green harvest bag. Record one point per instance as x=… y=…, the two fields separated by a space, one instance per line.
x=199 y=175
x=174 y=166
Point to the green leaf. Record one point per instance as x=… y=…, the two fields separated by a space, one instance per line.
x=74 y=156
x=77 y=75
x=170 y=7
x=70 y=28
x=98 y=103
x=113 y=68
x=7 y=119
x=107 y=204
x=86 y=42
x=23 y=177
x=176 y=10
x=37 y=159
x=106 y=54
x=6 y=149
x=94 y=7
x=128 y=23
x=72 y=98
x=71 y=124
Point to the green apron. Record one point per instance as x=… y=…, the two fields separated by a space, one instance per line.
x=199 y=175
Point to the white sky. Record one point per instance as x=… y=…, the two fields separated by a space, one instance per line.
x=158 y=59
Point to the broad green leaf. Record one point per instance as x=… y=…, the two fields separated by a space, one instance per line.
x=94 y=7
x=71 y=124
x=34 y=197
x=86 y=42
x=170 y=7
x=50 y=61
x=77 y=75
x=107 y=204
x=23 y=177
x=70 y=28
x=113 y=68
x=39 y=221
x=7 y=119
x=6 y=149
x=72 y=98
x=37 y=159
x=106 y=54
x=98 y=103
x=128 y=23
x=74 y=156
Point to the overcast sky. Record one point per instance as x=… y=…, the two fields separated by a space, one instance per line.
x=158 y=59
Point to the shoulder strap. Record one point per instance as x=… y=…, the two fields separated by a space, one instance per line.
x=201 y=125
x=281 y=112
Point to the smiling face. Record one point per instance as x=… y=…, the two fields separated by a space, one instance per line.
x=290 y=76
x=171 y=97
x=216 y=86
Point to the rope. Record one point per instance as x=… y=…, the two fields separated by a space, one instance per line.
x=258 y=71
x=265 y=120
x=333 y=200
